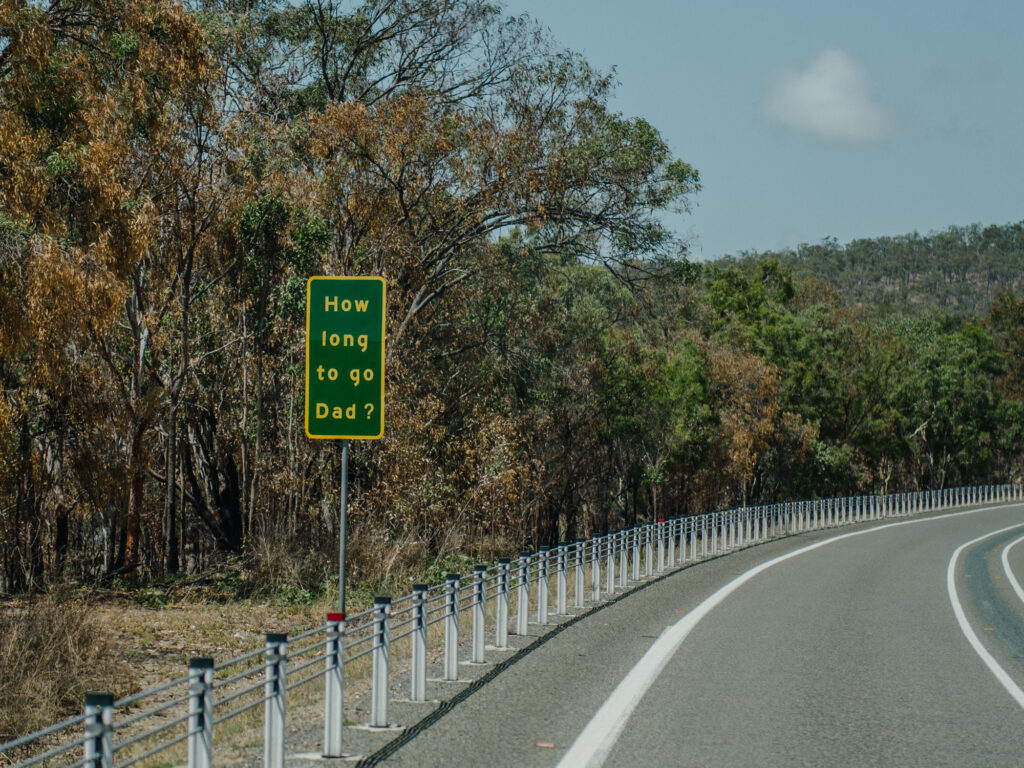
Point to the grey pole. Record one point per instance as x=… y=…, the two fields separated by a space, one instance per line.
x=622 y=545
x=562 y=580
x=595 y=567
x=580 y=579
x=501 y=623
x=334 y=686
x=342 y=526
x=98 y=747
x=274 y=705
x=543 y=586
x=635 y=533
x=648 y=530
x=200 y=712
x=610 y=584
x=418 y=685
x=381 y=661
x=523 y=594
x=479 y=613
x=661 y=545
x=451 y=628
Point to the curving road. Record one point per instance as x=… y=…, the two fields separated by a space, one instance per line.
x=890 y=644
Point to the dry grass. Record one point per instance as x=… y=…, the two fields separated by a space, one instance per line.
x=52 y=652
x=125 y=639
x=149 y=635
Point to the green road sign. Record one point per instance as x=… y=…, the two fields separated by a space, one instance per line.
x=345 y=358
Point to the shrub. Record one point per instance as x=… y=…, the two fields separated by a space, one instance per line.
x=51 y=653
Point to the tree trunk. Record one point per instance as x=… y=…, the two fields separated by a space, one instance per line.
x=170 y=523
x=136 y=471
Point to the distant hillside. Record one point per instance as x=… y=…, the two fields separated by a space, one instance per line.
x=959 y=270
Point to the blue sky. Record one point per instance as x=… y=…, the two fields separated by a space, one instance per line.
x=809 y=119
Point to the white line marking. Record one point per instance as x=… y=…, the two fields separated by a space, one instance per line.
x=1005 y=557
x=1004 y=679
x=592 y=747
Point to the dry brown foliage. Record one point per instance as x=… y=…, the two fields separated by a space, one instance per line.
x=51 y=653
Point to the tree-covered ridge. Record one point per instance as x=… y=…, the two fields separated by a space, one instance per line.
x=957 y=271
x=171 y=176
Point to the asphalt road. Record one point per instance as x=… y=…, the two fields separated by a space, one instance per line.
x=849 y=654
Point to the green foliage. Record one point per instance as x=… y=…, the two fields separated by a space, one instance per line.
x=60 y=166
x=958 y=271
x=287 y=594
x=454 y=562
x=124 y=45
x=556 y=366
x=153 y=597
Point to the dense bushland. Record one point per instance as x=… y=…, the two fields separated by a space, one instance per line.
x=958 y=271
x=169 y=179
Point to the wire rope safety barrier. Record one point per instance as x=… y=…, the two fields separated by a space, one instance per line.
x=184 y=713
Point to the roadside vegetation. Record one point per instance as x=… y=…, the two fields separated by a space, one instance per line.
x=170 y=177
x=52 y=651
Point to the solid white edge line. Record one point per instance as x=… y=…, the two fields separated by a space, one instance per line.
x=1004 y=679
x=1005 y=557
x=595 y=742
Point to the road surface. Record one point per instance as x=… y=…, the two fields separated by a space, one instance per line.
x=881 y=644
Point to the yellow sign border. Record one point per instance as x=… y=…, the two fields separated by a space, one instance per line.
x=383 y=342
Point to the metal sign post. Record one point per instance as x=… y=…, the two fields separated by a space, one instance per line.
x=342 y=527
x=345 y=329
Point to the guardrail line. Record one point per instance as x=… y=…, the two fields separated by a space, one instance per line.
x=636 y=556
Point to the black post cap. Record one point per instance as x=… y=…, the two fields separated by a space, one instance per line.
x=99 y=699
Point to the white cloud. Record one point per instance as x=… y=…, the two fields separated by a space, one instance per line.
x=830 y=99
